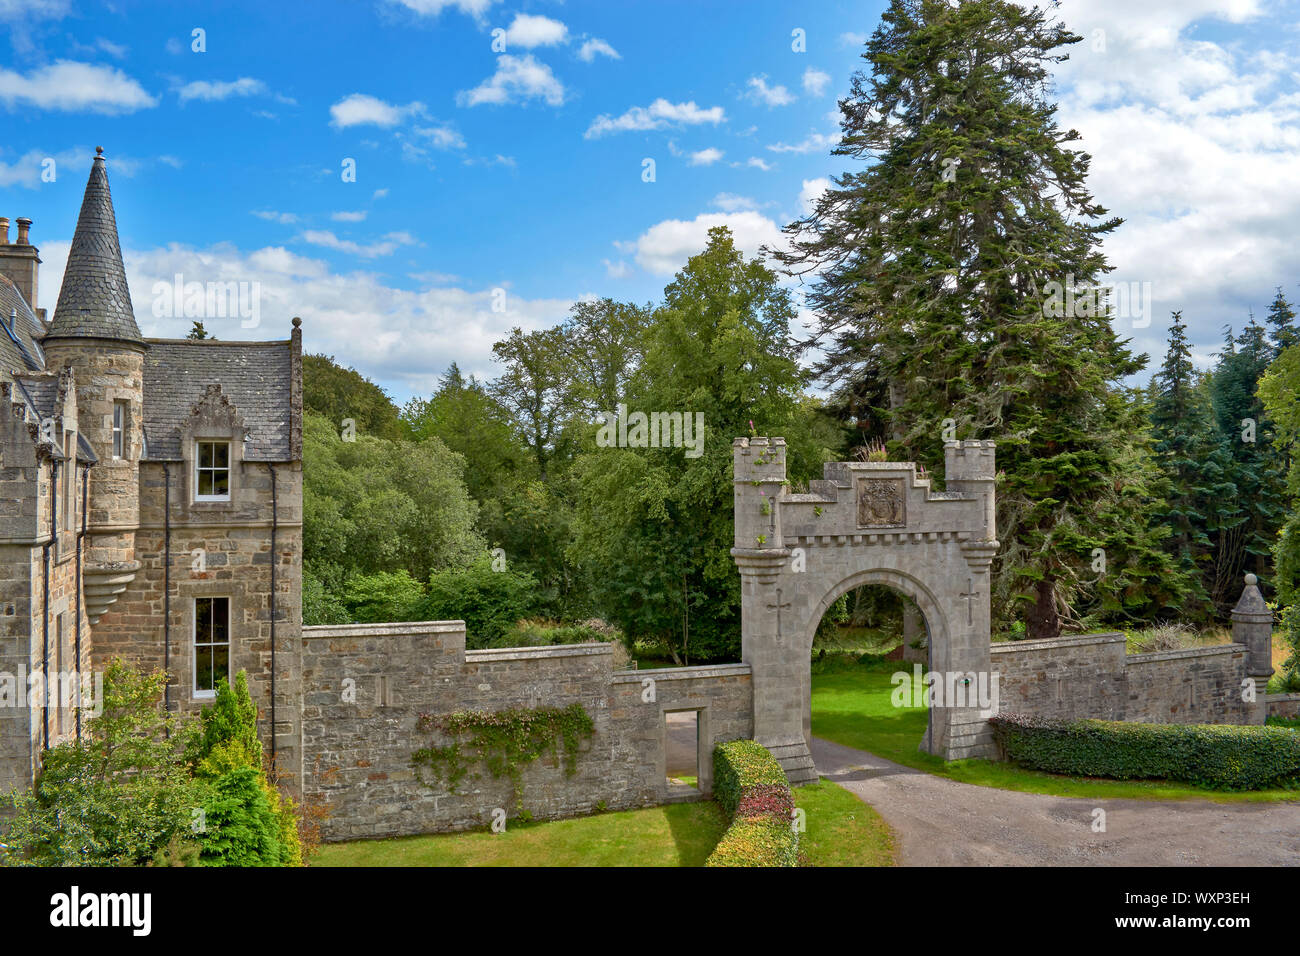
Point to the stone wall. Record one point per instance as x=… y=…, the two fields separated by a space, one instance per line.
x=364 y=687
x=1092 y=677
x=1283 y=705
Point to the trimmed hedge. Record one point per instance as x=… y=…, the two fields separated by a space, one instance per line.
x=1216 y=756
x=752 y=788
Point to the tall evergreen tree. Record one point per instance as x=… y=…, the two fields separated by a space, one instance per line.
x=930 y=260
x=1283 y=331
x=1250 y=520
x=1193 y=461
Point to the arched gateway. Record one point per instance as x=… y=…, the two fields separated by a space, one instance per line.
x=864 y=523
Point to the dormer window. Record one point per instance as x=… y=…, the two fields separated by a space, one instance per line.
x=120 y=412
x=212 y=471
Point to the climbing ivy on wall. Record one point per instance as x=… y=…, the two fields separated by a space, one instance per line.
x=504 y=741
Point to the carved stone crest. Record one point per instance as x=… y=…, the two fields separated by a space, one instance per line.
x=881 y=503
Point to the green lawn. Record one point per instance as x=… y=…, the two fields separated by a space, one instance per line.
x=841 y=831
x=682 y=834
x=851 y=706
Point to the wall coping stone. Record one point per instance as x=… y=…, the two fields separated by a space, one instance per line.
x=397 y=629
x=683 y=673
x=525 y=653
x=1211 y=651
x=1006 y=647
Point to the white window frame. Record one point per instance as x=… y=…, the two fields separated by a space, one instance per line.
x=194 y=644
x=199 y=469
x=121 y=412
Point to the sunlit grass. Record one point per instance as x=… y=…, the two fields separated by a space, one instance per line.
x=851 y=706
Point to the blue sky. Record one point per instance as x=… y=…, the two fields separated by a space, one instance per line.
x=522 y=168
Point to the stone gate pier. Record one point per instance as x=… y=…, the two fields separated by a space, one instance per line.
x=864 y=523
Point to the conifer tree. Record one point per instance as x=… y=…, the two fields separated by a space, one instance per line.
x=956 y=286
x=1193 y=461
x=1249 y=520
x=1283 y=331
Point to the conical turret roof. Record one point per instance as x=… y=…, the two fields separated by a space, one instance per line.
x=94 y=301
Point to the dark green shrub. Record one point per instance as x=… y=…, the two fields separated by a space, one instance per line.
x=756 y=841
x=739 y=764
x=240 y=827
x=1292 y=722
x=1216 y=756
x=751 y=787
x=489 y=602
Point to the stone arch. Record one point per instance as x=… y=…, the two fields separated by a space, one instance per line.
x=903 y=583
x=863 y=523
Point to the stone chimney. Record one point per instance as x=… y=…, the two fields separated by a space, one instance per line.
x=19 y=260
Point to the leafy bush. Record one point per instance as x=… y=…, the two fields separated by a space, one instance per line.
x=752 y=788
x=1217 y=756
x=320 y=605
x=246 y=820
x=757 y=841
x=1292 y=723
x=122 y=796
x=740 y=764
x=489 y=602
x=381 y=597
x=533 y=632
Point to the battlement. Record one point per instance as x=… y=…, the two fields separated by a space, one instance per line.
x=969 y=461
x=759 y=459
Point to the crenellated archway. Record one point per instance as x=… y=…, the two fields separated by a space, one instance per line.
x=863 y=523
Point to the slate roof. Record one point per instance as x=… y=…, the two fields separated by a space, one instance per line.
x=20 y=347
x=94 y=301
x=255 y=376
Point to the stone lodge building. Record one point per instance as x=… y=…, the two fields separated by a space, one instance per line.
x=150 y=501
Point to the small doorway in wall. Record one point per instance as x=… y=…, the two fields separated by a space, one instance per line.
x=682 y=751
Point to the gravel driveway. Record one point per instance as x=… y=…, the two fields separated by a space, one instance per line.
x=940 y=822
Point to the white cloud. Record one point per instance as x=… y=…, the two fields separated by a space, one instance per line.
x=617 y=270
x=431 y=8
x=657 y=115
x=412 y=335
x=385 y=246
x=706 y=157
x=442 y=137
x=755 y=163
x=517 y=78
x=812 y=189
x=11 y=10
x=379 y=194
x=760 y=92
x=530 y=32
x=664 y=247
x=360 y=109
x=26 y=170
x=594 y=47
x=174 y=162
x=270 y=215
x=730 y=202
x=1196 y=144
x=74 y=87
x=813 y=143
x=815 y=82
x=209 y=91
x=853 y=39
x=344 y=215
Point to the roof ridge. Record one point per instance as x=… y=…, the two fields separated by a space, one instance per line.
x=94 y=300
